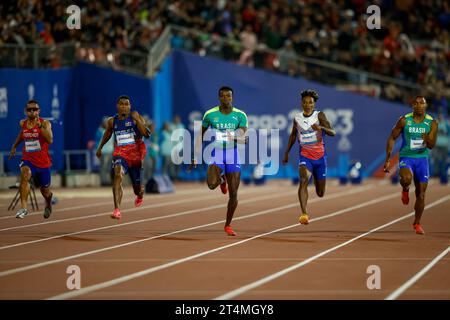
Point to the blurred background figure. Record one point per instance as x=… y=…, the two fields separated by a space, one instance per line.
x=176 y=135
x=439 y=154
x=166 y=150
x=107 y=151
x=151 y=162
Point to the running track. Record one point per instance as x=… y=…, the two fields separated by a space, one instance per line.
x=174 y=247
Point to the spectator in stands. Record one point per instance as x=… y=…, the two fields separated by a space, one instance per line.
x=411 y=45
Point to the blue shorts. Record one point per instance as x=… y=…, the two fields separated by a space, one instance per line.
x=419 y=167
x=41 y=176
x=318 y=167
x=135 y=173
x=226 y=159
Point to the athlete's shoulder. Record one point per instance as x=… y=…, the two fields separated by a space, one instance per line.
x=21 y=122
x=428 y=117
x=209 y=111
x=239 y=111
x=408 y=115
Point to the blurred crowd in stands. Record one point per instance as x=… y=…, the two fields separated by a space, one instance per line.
x=412 y=45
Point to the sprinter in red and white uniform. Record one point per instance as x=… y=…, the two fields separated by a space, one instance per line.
x=36 y=133
x=309 y=128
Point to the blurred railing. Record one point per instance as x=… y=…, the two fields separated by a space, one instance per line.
x=37 y=56
x=75 y=161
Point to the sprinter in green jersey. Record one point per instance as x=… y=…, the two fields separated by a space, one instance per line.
x=419 y=132
x=228 y=125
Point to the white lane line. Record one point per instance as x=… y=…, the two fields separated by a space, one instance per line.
x=177 y=214
x=12 y=215
x=253 y=285
x=46 y=263
x=156 y=205
x=56 y=210
x=145 y=272
x=394 y=295
x=229 y=259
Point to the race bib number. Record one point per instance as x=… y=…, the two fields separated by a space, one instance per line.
x=32 y=146
x=308 y=138
x=223 y=136
x=125 y=139
x=417 y=144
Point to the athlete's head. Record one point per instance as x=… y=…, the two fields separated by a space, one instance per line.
x=309 y=98
x=32 y=109
x=225 y=96
x=123 y=106
x=419 y=104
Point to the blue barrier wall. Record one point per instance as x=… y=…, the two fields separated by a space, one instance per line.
x=78 y=98
x=271 y=100
x=51 y=88
x=94 y=96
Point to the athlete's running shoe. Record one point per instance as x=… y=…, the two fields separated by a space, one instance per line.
x=303 y=219
x=47 y=212
x=138 y=201
x=21 y=213
x=405 y=197
x=230 y=231
x=223 y=186
x=116 y=214
x=418 y=228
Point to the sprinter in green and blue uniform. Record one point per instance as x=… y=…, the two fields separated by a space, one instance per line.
x=228 y=125
x=419 y=133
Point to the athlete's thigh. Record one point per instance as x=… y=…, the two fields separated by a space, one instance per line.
x=119 y=166
x=135 y=174
x=42 y=178
x=406 y=169
x=213 y=172
x=25 y=171
x=320 y=173
x=422 y=170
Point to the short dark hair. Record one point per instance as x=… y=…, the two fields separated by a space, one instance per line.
x=310 y=93
x=30 y=102
x=417 y=97
x=225 y=88
x=123 y=97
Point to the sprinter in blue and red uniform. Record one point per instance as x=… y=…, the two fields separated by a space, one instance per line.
x=128 y=128
x=36 y=133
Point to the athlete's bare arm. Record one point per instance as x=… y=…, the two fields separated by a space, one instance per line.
x=395 y=133
x=140 y=123
x=292 y=138
x=240 y=136
x=430 y=138
x=106 y=136
x=19 y=139
x=46 y=130
x=324 y=125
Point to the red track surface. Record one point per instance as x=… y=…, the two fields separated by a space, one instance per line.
x=178 y=244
